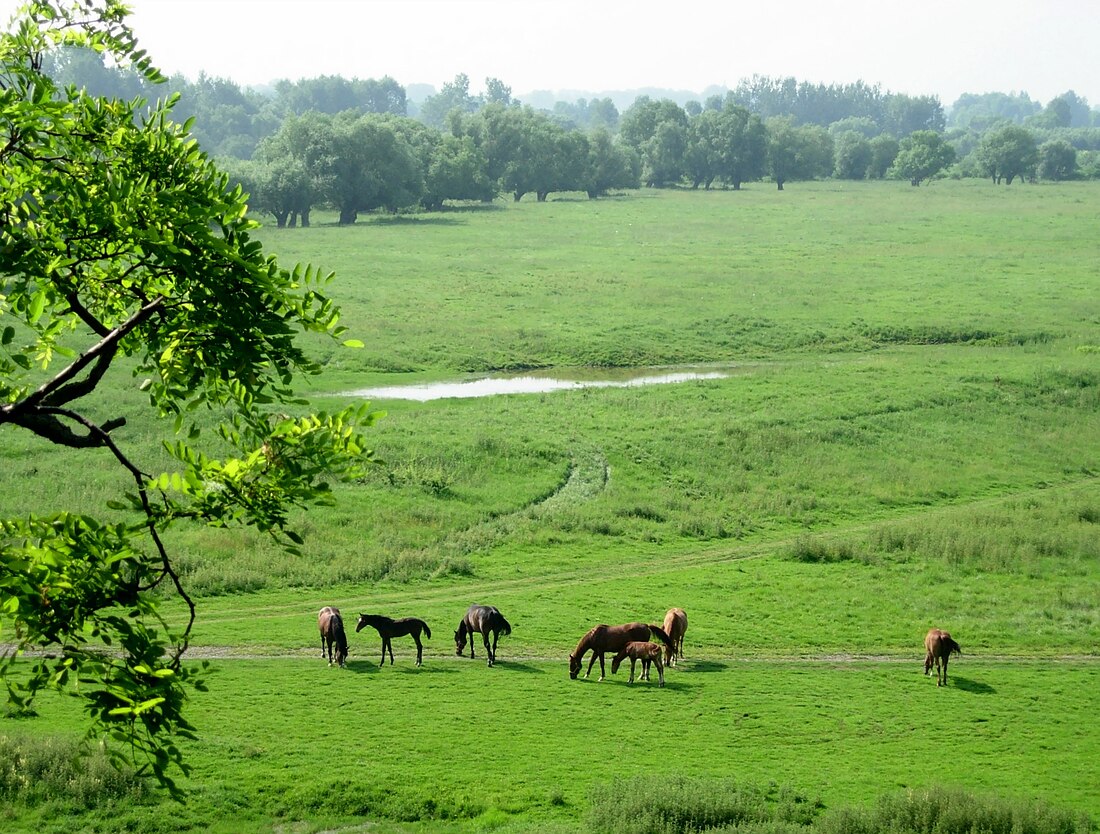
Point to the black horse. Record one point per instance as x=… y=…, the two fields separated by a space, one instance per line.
x=388 y=629
x=487 y=620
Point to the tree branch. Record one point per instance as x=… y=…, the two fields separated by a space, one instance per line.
x=64 y=388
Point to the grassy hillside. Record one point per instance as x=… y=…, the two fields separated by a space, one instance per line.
x=910 y=436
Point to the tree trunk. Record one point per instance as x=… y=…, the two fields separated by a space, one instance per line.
x=305 y=218
x=779 y=184
x=517 y=196
x=280 y=219
x=348 y=216
x=541 y=196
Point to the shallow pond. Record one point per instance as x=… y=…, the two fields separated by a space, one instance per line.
x=537 y=383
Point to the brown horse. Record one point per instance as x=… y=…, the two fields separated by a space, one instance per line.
x=331 y=625
x=605 y=638
x=647 y=653
x=487 y=620
x=676 y=626
x=938 y=647
x=388 y=629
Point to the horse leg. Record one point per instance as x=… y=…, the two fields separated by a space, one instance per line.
x=488 y=651
x=603 y=672
x=592 y=660
x=632 y=662
x=660 y=671
x=946 y=657
x=420 y=648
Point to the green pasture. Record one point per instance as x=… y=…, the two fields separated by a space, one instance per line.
x=909 y=436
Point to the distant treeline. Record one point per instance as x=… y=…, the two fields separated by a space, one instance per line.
x=360 y=145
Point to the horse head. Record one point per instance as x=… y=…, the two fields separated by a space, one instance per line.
x=460 y=641
x=574 y=666
x=364 y=621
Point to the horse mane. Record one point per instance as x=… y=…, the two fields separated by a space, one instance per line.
x=586 y=641
x=661 y=634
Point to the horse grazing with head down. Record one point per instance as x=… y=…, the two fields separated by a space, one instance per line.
x=938 y=647
x=388 y=629
x=484 y=619
x=648 y=653
x=604 y=638
x=676 y=626
x=331 y=625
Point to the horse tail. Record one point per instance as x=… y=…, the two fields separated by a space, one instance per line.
x=505 y=626
x=662 y=635
x=427 y=630
x=952 y=646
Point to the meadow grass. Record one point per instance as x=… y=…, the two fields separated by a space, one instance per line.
x=910 y=437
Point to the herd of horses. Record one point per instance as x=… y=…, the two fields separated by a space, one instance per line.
x=633 y=641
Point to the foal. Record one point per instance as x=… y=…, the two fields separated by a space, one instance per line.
x=647 y=653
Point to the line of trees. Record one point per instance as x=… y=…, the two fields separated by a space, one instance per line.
x=360 y=146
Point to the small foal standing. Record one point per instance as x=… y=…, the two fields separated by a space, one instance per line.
x=647 y=653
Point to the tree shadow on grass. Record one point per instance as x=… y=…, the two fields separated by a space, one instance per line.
x=361 y=667
x=968 y=685
x=704 y=666
x=514 y=666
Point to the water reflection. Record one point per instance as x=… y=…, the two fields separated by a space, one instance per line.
x=529 y=384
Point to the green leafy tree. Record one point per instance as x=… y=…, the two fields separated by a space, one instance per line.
x=703 y=155
x=743 y=144
x=1057 y=160
x=853 y=155
x=370 y=166
x=1006 y=152
x=922 y=155
x=801 y=152
x=455 y=95
x=126 y=260
x=610 y=165
x=884 y=150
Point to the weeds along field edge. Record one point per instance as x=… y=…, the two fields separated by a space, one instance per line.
x=294 y=739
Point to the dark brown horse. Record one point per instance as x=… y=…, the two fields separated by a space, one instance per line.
x=938 y=647
x=388 y=629
x=605 y=638
x=648 y=653
x=676 y=626
x=331 y=625
x=484 y=619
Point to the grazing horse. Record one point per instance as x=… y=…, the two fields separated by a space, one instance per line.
x=331 y=625
x=605 y=638
x=676 y=625
x=388 y=629
x=938 y=647
x=487 y=620
x=647 y=653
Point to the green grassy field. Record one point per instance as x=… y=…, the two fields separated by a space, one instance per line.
x=910 y=437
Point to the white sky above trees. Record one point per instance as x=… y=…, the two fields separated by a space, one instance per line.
x=930 y=47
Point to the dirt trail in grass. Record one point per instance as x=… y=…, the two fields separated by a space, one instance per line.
x=589 y=473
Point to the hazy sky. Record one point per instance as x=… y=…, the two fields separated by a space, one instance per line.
x=1041 y=47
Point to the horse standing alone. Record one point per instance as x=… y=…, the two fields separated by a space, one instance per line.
x=676 y=626
x=648 y=653
x=938 y=647
x=487 y=620
x=604 y=638
x=388 y=629
x=331 y=625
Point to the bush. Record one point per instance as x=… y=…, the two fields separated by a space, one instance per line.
x=672 y=804
x=39 y=771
